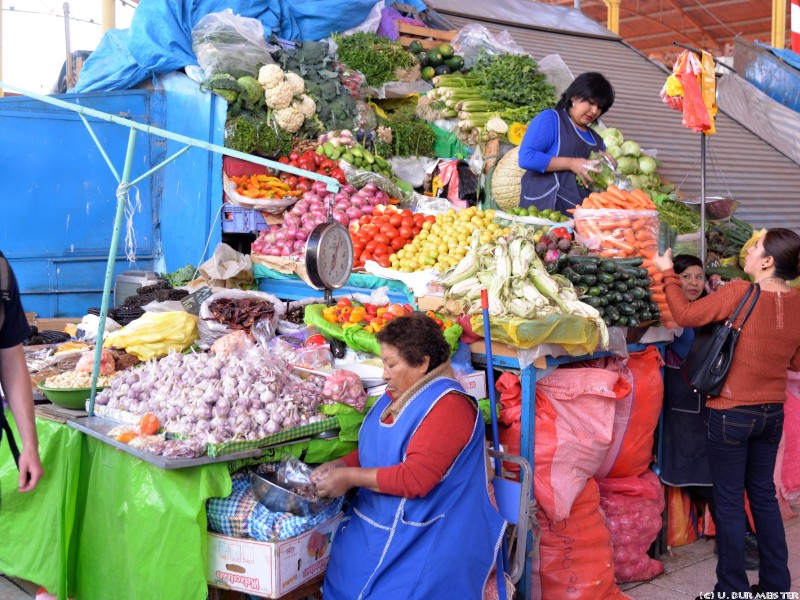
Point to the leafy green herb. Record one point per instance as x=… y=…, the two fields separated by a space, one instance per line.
x=679 y=217
x=272 y=140
x=241 y=134
x=515 y=79
x=375 y=56
x=180 y=277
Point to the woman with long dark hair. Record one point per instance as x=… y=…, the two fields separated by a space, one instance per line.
x=745 y=422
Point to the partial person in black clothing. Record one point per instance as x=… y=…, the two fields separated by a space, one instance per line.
x=15 y=379
x=684 y=460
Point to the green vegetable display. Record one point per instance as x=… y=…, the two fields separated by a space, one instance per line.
x=499 y=90
x=410 y=136
x=678 y=216
x=377 y=57
x=335 y=106
x=180 y=277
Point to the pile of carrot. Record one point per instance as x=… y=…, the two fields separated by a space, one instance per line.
x=622 y=225
x=614 y=197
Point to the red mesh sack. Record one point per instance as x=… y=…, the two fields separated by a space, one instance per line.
x=633 y=507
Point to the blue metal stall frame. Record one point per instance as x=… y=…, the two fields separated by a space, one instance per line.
x=125 y=183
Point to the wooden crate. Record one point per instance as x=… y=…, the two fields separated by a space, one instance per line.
x=430 y=38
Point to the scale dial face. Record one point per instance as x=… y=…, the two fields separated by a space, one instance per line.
x=329 y=256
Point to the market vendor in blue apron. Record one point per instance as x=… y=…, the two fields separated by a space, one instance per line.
x=421 y=524
x=555 y=149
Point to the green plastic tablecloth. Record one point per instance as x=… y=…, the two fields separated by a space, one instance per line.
x=104 y=524
x=37 y=528
x=141 y=530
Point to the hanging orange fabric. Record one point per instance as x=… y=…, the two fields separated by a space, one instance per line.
x=708 y=83
x=689 y=91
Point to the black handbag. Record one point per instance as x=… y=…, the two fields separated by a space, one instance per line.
x=710 y=357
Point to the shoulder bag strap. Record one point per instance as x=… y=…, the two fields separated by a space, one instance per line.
x=12 y=443
x=755 y=291
x=732 y=318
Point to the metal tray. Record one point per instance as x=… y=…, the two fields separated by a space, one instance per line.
x=279 y=499
x=98 y=428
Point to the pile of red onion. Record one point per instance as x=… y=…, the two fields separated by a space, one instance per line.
x=349 y=205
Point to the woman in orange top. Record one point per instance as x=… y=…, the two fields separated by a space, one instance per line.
x=745 y=422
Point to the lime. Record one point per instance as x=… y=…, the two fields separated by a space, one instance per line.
x=415 y=47
x=454 y=62
x=427 y=73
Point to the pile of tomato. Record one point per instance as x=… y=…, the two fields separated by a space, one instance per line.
x=310 y=161
x=381 y=234
x=369 y=316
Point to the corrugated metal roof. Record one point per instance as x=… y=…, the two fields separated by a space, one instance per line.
x=760 y=177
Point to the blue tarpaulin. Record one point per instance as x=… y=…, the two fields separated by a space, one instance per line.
x=160 y=37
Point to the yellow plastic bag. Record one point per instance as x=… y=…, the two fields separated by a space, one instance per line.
x=576 y=334
x=749 y=244
x=673 y=87
x=154 y=335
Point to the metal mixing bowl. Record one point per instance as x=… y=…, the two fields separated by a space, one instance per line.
x=279 y=499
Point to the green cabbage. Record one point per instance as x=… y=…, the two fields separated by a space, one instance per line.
x=627 y=165
x=647 y=165
x=631 y=148
x=612 y=137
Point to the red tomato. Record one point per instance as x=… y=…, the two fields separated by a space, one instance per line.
x=430 y=218
x=302 y=186
x=370 y=229
x=344 y=302
x=316 y=340
x=406 y=233
x=365 y=257
x=407 y=222
x=293 y=156
x=358 y=248
x=370 y=247
x=381 y=238
x=390 y=232
x=395 y=220
x=419 y=219
x=398 y=243
x=382 y=250
x=415 y=231
x=406 y=213
x=284 y=160
x=365 y=219
x=384 y=262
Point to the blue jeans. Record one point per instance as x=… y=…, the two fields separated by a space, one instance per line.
x=742 y=445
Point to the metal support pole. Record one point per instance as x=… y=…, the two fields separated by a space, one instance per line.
x=122 y=197
x=703 y=199
x=70 y=74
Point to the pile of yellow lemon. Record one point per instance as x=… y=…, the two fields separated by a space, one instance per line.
x=442 y=244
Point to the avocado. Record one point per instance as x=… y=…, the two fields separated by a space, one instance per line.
x=422 y=57
x=446 y=50
x=415 y=47
x=435 y=58
x=427 y=73
x=454 y=62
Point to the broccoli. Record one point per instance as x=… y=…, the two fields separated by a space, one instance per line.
x=180 y=277
x=251 y=94
x=224 y=85
x=312 y=52
x=241 y=134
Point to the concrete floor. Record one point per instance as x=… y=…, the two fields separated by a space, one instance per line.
x=688 y=571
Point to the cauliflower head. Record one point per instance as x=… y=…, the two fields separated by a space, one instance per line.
x=306 y=105
x=289 y=119
x=298 y=83
x=270 y=75
x=280 y=96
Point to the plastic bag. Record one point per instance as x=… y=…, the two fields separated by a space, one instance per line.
x=154 y=335
x=295 y=475
x=211 y=330
x=358 y=178
x=232 y=343
x=617 y=233
x=227 y=268
x=227 y=43
x=388 y=22
x=472 y=38
x=86 y=362
x=371 y=23
x=344 y=387
x=354 y=81
x=270 y=205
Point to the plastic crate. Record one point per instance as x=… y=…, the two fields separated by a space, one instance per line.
x=236 y=219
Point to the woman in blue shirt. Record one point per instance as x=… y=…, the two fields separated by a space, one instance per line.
x=558 y=142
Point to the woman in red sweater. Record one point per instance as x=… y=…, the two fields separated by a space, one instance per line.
x=745 y=422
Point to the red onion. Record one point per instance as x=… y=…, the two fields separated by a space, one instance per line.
x=286 y=250
x=272 y=251
x=291 y=219
x=301 y=206
x=367 y=209
x=358 y=201
x=341 y=218
x=354 y=213
x=291 y=235
x=319 y=187
x=299 y=246
x=348 y=189
x=301 y=234
x=280 y=236
x=370 y=188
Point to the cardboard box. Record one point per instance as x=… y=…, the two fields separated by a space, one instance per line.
x=474 y=384
x=269 y=569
